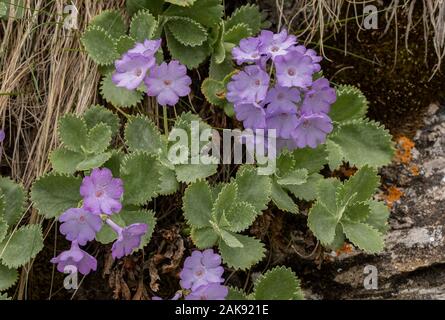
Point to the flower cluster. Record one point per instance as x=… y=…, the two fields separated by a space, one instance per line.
x=167 y=81
x=201 y=277
x=101 y=198
x=277 y=90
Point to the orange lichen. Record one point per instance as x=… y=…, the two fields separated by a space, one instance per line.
x=414 y=170
x=404 y=147
x=394 y=194
x=346 y=248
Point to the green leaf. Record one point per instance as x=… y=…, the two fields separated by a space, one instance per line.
x=123 y=44
x=198 y=204
x=142 y=26
x=192 y=57
x=241 y=216
x=282 y=200
x=8 y=277
x=248 y=14
x=3 y=228
x=189 y=173
x=114 y=163
x=308 y=190
x=182 y=3
x=119 y=97
x=65 y=161
x=378 y=216
x=73 y=132
x=327 y=195
x=3 y=296
x=322 y=223
x=285 y=163
x=99 y=45
x=253 y=188
x=351 y=104
x=237 y=32
x=225 y=201
x=218 y=71
x=219 y=49
x=204 y=238
x=311 y=159
x=360 y=187
x=27 y=240
x=187 y=31
x=53 y=194
x=112 y=21
x=141 y=134
x=97 y=114
x=364 y=142
x=339 y=239
x=154 y=6
x=357 y=212
x=99 y=139
x=280 y=283
x=244 y=257
x=141 y=177
x=295 y=177
x=363 y=236
x=169 y=184
x=14 y=197
x=214 y=91
x=206 y=12
x=229 y=239
x=335 y=155
x=93 y=161
x=236 y=294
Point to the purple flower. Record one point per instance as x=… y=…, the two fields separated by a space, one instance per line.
x=168 y=82
x=132 y=68
x=75 y=257
x=147 y=49
x=101 y=192
x=283 y=122
x=282 y=99
x=276 y=44
x=248 y=86
x=247 y=51
x=128 y=238
x=294 y=70
x=252 y=115
x=312 y=54
x=2 y=136
x=201 y=268
x=131 y=71
x=319 y=98
x=311 y=130
x=212 y=291
x=79 y=225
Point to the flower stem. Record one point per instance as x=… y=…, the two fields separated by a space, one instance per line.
x=116 y=228
x=165 y=116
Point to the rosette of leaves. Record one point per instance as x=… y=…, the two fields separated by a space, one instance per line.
x=141 y=134
x=279 y=283
x=85 y=140
x=18 y=245
x=218 y=214
x=347 y=210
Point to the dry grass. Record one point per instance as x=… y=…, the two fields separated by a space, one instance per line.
x=43 y=75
